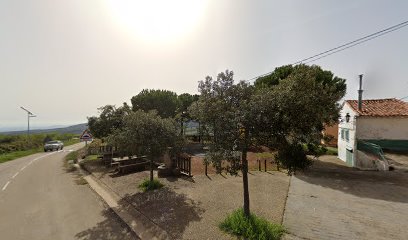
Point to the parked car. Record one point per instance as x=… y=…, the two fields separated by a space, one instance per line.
x=53 y=145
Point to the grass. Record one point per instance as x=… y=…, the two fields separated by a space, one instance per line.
x=331 y=151
x=91 y=157
x=70 y=159
x=18 y=154
x=253 y=227
x=146 y=185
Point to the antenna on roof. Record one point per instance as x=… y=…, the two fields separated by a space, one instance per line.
x=360 y=93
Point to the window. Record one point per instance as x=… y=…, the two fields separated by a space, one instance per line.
x=347 y=135
x=342 y=134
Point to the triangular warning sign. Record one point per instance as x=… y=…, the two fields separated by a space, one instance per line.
x=86 y=135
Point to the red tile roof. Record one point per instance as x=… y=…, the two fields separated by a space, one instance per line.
x=390 y=107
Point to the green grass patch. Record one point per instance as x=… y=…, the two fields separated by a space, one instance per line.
x=331 y=151
x=251 y=228
x=147 y=185
x=91 y=157
x=18 y=154
x=71 y=141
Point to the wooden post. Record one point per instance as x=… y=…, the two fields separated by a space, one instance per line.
x=206 y=165
x=259 y=165
x=265 y=164
x=189 y=167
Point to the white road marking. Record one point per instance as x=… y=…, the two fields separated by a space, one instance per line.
x=23 y=168
x=15 y=175
x=5 y=186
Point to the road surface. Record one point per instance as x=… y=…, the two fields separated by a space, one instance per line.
x=40 y=199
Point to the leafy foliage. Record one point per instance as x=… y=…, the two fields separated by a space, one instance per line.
x=251 y=227
x=110 y=118
x=148 y=185
x=292 y=157
x=165 y=102
x=146 y=133
x=294 y=111
x=224 y=111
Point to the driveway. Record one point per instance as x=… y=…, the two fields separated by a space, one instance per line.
x=333 y=201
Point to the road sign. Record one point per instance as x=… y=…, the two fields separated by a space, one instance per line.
x=86 y=136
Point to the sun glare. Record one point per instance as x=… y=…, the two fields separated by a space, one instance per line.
x=158 y=20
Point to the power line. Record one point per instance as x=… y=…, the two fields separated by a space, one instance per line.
x=344 y=46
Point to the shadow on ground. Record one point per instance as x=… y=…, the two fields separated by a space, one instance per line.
x=382 y=185
x=112 y=228
x=172 y=211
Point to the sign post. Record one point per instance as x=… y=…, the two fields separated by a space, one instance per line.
x=86 y=136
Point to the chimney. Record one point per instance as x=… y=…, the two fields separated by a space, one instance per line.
x=360 y=94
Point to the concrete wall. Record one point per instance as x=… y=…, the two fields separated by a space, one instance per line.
x=366 y=161
x=390 y=128
x=342 y=144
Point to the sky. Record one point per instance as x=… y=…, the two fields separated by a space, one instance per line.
x=64 y=59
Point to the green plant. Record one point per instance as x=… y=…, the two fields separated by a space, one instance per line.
x=331 y=151
x=148 y=185
x=72 y=156
x=252 y=227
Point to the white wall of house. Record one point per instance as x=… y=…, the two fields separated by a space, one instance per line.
x=345 y=143
x=391 y=128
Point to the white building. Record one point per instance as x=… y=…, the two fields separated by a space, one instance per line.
x=383 y=122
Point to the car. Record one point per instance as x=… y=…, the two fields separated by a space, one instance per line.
x=53 y=145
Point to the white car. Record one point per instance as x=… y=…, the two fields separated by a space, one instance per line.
x=53 y=145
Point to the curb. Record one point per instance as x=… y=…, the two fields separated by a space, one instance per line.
x=142 y=226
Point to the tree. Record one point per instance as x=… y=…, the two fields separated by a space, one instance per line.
x=146 y=133
x=163 y=101
x=293 y=112
x=110 y=118
x=283 y=114
x=224 y=110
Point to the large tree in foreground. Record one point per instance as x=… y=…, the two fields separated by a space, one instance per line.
x=224 y=111
x=283 y=115
x=293 y=109
x=146 y=133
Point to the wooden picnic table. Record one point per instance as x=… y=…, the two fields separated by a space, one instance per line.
x=123 y=164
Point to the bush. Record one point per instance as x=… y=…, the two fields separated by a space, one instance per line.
x=293 y=157
x=146 y=185
x=251 y=228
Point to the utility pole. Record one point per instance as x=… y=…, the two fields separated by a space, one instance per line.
x=29 y=115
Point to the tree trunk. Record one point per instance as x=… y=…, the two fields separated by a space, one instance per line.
x=245 y=181
x=245 y=173
x=151 y=169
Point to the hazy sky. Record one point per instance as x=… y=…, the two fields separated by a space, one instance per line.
x=62 y=59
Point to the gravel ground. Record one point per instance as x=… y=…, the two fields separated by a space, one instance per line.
x=191 y=208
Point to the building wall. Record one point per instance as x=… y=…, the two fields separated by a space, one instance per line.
x=390 y=128
x=331 y=131
x=350 y=126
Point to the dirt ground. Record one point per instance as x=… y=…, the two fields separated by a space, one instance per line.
x=198 y=167
x=398 y=160
x=192 y=208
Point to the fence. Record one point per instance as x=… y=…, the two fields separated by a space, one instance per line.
x=183 y=163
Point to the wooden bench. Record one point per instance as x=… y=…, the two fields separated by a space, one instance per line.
x=125 y=165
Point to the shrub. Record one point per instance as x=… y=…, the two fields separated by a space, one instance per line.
x=251 y=228
x=148 y=185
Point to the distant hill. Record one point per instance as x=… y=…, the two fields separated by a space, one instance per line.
x=75 y=129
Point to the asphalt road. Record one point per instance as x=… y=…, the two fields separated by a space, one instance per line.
x=40 y=199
